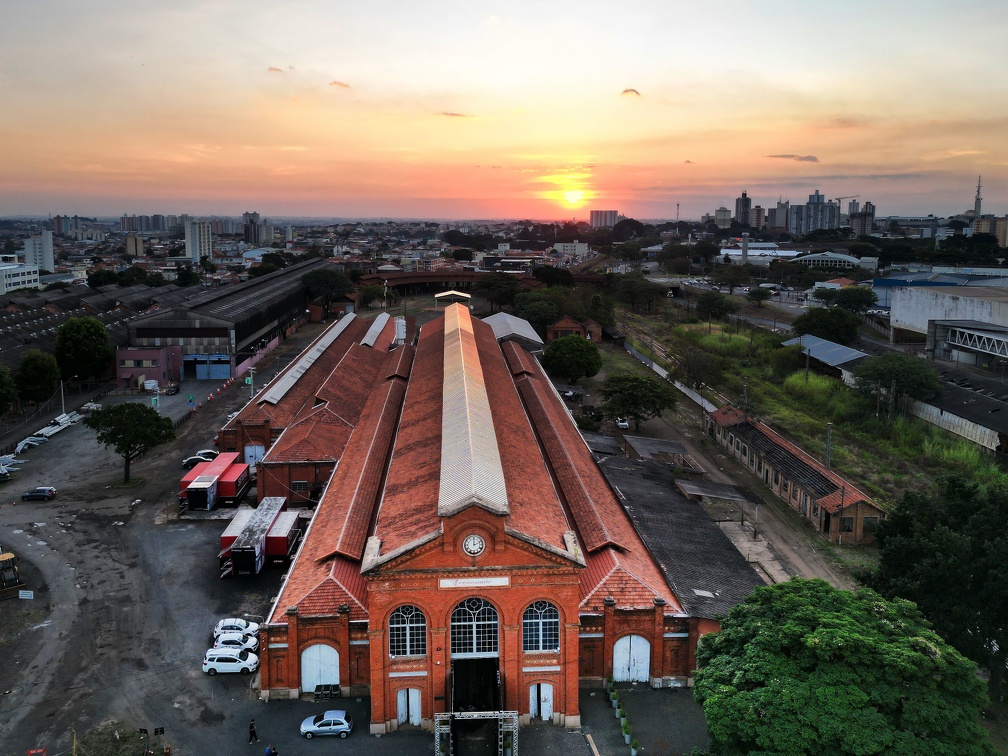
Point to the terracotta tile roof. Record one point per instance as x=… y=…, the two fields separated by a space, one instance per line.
x=319 y=589
x=346 y=388
x=408 y=507
x=320 y=436
x=607 y=574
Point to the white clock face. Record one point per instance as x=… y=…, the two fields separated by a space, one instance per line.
x=473 y=545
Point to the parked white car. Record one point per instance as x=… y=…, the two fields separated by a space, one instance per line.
x=237 y=641
x=622 y=423
x=236 y=625
x=229 y=660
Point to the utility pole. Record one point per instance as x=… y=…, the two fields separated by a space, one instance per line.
x=251 y=383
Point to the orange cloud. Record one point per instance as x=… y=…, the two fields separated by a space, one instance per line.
x=340 y=84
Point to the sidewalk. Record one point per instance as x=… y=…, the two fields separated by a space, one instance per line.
x=665 y=721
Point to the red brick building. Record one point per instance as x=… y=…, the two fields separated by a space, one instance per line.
x=833 y=505
x=467 y=536
x=567 y=326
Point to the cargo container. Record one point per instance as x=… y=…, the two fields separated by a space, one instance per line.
x=283 y=538
x=248 y=550
x=234 y=483
x=205 y=472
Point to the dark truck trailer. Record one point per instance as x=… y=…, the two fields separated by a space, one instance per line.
x=248 y=550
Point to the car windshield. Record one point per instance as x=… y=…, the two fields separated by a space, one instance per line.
x=318 y=720
x=243 y=655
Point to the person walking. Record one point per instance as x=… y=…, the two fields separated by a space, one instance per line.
x=252 y=732
x=271 y=751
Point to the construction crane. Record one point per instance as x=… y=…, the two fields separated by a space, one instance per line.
x=849 y=196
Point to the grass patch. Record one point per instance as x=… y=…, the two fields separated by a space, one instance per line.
x=113 y=738
x=133 y=483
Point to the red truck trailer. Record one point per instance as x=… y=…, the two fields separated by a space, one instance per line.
x=283 y=538
x=225 y=480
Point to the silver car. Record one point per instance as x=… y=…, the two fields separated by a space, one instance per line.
x=332 y=722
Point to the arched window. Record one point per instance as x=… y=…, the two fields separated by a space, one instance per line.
x=474 y=629
x=407 y=632
x=541 y=627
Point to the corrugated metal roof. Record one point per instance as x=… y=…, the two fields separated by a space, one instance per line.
x=283 y=385
x=471 y=469
x=375 y=330
x=825 y=351
x=505 y=325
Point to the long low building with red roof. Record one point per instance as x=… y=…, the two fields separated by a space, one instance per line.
x=468 y=536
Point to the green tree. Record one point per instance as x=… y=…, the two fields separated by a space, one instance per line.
x=326 y=284
x=635 y=289
x=572 y=357
x=602 y=310
x=714 y=304
x=855 y=299
x=133 y=276
x=499 y=289
x=540 y=310
x=369 y=294
x=82 y=348
x=832 y=324
x=698 y=367
x=37 y=376
x=131 y=429
x=804 y=668
x=554 y=276
x=462 y=254
x=758 y=295
x=732 y=276
x=186 y=276
x=911 y=376
x=945 y=550
x=102 y=277
x=8 y=390
x=640 y=397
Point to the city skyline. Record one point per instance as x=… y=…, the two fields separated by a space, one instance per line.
x=487 y=110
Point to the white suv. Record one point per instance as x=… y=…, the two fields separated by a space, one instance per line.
x=237 y=642
x=229 y=660
x=236 y=625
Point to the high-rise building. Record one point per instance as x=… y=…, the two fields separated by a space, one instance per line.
x=198 y=240
x=134 y=245
x=756 y=219
x=816 y=214
x=743 y=205
x=38 y=251
x=603 y=218
x=863 y=221
x=978 y=201
x=722 y=217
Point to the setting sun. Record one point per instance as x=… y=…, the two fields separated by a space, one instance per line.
x=574 y=197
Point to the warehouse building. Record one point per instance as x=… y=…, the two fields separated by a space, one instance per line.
x=469 y=556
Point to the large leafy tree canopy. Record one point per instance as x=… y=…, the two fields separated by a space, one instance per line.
x=132 y=429
x=805 y=668
x=910 y=375
x=37 y=376
x=636 y=290
x=572 y=357
x=832 y=324
x=946 y=550
x=855 y=299
x=8 y=390
x=498 y=288
x=326 y=284
x=82 y=348
x=714 y=304
x=639 y=397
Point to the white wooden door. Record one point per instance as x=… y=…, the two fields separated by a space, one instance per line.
x=408 y=706
x=541 y=701
x=632 y=659
x=254 y=453
x=319 y=666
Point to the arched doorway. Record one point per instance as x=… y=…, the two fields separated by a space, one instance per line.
x=632 y=659
x=541 y=701
x=319 y=666
x=408 y=706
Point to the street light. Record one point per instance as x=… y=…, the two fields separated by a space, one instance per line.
x=62 y=396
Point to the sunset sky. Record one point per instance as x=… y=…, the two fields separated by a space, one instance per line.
x=510 y=109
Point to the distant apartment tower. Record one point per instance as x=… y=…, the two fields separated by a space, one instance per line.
x=38 y=251
x=257 y=233
x=863 y=221
x=198 y=240
x=134 y=245
x=777 y=217
x=743 y=205
x=816 y=214
x=756 y=218
x=722 y=217
x=603 y=218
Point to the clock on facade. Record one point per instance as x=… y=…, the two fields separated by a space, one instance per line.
x=473 y=545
